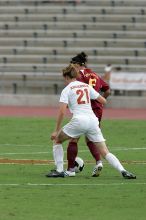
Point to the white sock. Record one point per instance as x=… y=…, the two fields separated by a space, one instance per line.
x=113 y=160
x=99 y=162
x=58 y=155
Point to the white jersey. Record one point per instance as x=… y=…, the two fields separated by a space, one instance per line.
x=77 y=95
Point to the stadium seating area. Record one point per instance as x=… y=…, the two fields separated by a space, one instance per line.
x=38 y=38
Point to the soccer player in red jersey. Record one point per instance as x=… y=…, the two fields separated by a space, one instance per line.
x=90 y=77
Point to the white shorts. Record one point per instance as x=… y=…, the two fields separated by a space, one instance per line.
x=87 y=125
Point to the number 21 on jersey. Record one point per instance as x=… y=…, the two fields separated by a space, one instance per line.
x=83 y=96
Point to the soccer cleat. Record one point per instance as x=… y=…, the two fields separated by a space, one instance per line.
x=69 y=173
x=97 y=170
x=55 y=174
x=128 y=175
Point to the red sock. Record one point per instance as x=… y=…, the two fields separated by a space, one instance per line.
x=93 y=150
x=72 y=151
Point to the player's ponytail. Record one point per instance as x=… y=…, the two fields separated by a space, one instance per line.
x=80 y=59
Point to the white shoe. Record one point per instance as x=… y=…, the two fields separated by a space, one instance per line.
x=97 y=169
x=69 y=173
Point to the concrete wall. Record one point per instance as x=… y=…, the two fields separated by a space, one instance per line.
x=52 y=101
x=127 y=102
x=29 y=100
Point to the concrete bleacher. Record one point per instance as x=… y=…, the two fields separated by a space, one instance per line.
x=38 y=38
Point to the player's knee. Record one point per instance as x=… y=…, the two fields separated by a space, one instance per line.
x=74 y=140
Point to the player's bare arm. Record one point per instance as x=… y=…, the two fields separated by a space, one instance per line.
x=61 y=113
x=101 y=99
x=106 y=93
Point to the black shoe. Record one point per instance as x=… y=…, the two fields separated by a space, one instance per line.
x=128 y=175
x=53 y=170
x=55 y=173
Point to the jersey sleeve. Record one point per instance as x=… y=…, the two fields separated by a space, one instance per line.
x=104 y=85
x=93 y=93
x=64 y=96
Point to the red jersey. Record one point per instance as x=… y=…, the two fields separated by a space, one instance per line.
x=91 y=78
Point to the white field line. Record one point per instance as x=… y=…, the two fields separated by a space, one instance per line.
x=25 y=153
x=40 y=145
x=34 y=164
x=80 y=151
x=46 y=164
x=119 y=148
x=23 y=145
x=71 y=184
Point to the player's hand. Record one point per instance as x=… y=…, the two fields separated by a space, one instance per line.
x=53 y=135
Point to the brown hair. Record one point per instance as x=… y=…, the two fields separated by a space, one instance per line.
x=70 y=71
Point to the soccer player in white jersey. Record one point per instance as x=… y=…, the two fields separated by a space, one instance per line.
x=76 y=95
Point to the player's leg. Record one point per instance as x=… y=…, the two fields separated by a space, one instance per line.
x=96 y=136
x=113 y=160
x=95 y=153
x=58 y=155
x=70 y=130
x=72 y=151
x=74 y=129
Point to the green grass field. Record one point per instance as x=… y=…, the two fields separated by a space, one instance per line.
x=26 y=194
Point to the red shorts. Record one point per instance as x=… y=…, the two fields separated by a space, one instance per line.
x=98 y=113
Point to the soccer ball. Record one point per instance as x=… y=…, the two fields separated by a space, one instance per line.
x=79 y=164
